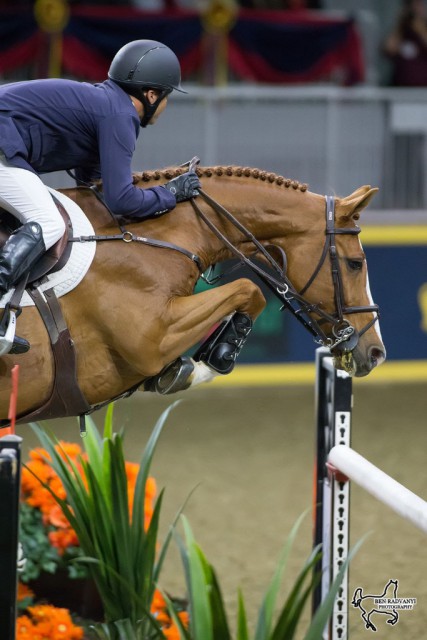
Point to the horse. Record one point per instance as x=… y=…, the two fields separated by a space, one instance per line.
x=373 y=602
x=135 y=312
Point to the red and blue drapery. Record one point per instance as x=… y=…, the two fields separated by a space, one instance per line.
x=263 y=46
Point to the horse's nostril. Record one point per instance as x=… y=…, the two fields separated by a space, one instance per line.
x=376 y=356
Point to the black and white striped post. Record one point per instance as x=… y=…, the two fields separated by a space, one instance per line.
x=10 y=477
x=331 y=497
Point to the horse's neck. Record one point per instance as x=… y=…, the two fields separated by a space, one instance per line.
x=268 y=211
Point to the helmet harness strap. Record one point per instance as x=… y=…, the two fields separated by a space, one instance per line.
x=150 y=109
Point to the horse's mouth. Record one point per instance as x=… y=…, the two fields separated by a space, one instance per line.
x=358 y=367
x=346 y=362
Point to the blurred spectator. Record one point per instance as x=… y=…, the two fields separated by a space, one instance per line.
x=406 y=46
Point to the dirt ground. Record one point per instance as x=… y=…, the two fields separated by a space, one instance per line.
x=248 y=455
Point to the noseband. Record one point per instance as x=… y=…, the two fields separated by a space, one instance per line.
x=344 y=336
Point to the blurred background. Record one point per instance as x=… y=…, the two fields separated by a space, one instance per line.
x=332 y=93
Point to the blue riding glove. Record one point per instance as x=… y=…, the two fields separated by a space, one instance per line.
x=184 y=186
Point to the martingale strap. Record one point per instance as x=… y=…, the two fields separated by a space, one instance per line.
x=128 y=236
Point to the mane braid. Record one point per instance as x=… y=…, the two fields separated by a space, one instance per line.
x=207 y=172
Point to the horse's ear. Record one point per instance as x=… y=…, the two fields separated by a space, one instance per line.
x=352 y=205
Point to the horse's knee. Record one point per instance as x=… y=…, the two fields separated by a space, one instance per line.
x=254 y=298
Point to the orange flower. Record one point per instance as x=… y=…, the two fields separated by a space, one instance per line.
x=158 y=601
x=24 y=628
x=185 y=618
x=41 y=470
x=150 y=488
x=39 y=454
x=57 y=517
x=23 y=592
x=38 y=497
x=52 y=623
x=132 y=470
x=159 y=610
x=172 y=632
x=62 y=539
x=70 y=449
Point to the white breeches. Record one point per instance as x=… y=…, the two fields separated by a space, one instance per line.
x=24 y=195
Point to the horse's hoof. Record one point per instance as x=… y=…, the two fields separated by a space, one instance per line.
x=173 y=378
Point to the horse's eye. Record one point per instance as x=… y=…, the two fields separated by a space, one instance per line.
x=355 y=265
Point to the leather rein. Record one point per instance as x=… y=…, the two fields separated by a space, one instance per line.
x=344 y=336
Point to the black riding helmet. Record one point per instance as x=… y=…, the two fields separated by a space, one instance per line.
x=146 y=64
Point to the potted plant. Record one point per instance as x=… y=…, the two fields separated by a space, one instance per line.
x=107 y=509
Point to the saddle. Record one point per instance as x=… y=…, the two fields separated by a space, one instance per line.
x=66 y=397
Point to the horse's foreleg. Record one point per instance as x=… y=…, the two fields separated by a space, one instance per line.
x=192 y=318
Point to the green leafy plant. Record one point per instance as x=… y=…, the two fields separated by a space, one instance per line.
x=121 y=553
x=40 y=555
x=125 y=560
x=208 y=617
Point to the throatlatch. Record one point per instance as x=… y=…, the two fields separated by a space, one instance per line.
x=221 y=349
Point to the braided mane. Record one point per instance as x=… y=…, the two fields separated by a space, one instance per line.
x=208 y=172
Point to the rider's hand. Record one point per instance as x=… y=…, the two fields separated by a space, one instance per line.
x=184 y=186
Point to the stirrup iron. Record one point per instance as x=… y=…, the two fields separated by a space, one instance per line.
x=173 y=378
x=9 y=342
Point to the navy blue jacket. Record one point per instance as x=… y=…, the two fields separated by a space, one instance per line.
x=52 y=125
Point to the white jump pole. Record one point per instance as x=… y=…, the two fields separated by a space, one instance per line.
x=403 y=501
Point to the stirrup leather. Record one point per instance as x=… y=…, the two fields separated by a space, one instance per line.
x=223 y=346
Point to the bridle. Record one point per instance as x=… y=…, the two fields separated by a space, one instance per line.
x=344 y=336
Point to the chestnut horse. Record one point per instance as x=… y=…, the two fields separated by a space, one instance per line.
x=135 y=311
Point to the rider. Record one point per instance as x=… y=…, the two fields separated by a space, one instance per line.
x=57 y=124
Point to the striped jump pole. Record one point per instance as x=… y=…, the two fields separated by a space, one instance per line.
x=380 y=485
x=336 y=464
x=333 y=405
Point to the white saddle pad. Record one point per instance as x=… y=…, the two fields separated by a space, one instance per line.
x=81 y=256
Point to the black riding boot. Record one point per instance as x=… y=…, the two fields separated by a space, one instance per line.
x=19 y=253
x=221 y=349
